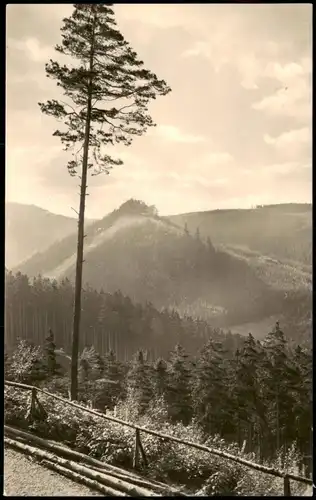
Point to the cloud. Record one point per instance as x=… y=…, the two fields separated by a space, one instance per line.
x=294 y=144
x=226 y=131
x=292 y=102
x=153 y=15
x=174 y=134
x=286 y=72
x=190 y=179
x=218 y=158
x=293 y=95
x=210 y=49
x=199 y=49
x=212 y=169
x=301 y=135
x=262 y=49
x=279 y=168
x=32 y=49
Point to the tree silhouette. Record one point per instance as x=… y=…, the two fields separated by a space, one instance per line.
x=106 y=91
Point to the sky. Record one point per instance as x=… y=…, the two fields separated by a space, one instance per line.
x=234 y=132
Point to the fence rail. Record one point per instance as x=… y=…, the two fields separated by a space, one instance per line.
x=139 y=448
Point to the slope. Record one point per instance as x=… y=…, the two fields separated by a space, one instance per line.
x=151 y=259
x=30 y=229
x=282 y=231
x=276 y=243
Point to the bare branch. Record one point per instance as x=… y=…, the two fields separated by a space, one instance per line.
x=74 y=111
x=72 y=208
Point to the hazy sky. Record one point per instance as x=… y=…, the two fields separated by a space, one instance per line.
x=234 y=131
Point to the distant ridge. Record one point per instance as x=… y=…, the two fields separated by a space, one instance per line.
x=29 y=229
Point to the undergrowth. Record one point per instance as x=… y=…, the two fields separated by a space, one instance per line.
x=194 y=471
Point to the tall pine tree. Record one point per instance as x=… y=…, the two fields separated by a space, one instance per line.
x=106 y=93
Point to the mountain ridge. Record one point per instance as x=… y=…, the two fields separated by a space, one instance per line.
x=282 y=231
x=154 y=259
x=29 y=228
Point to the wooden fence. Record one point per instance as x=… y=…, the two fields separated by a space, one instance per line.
x=139 y=451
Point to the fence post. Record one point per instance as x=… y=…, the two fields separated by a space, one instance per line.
x=31 y=409
x=142 y=451
x=287 y=487
x=136 y=450
x=35 y=409
x=42 y=413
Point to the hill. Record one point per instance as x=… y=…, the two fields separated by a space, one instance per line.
x=276 y=243
x=150 y=258
x=30 y=229
x=281 y=231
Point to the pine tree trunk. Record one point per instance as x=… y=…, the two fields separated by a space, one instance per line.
x=14 y=335
x=7 y=326
x=238 y=433
x=11 y=330
x=117 y=346
x=46 y=322
x=250 y=437
x=80 y=242
x=23 y=322
x=66 y=334
x=102 y=341
x=39 y=323
x=33 y=326
x=109 y=339
x=95 y=340
x=20 y=329
x=34 y=323
x=277 y=423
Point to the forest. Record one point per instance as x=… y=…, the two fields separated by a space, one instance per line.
x=109 y=321
x=223 y=383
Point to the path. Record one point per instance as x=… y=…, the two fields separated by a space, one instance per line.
x=22 y=477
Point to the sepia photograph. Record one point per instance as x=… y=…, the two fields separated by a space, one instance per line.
x=158 y=250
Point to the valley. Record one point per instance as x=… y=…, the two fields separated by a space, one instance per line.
x=196 y=270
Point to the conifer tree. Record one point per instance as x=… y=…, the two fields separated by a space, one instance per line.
x=251 y=412
x=278 y=382
x=210 y=388
x=303 y=405
x=179 y=386
x=160 y=378
x=109 y=388
x=106 y=91
x=53 y=368
x=140 y=385
x=114 y=373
